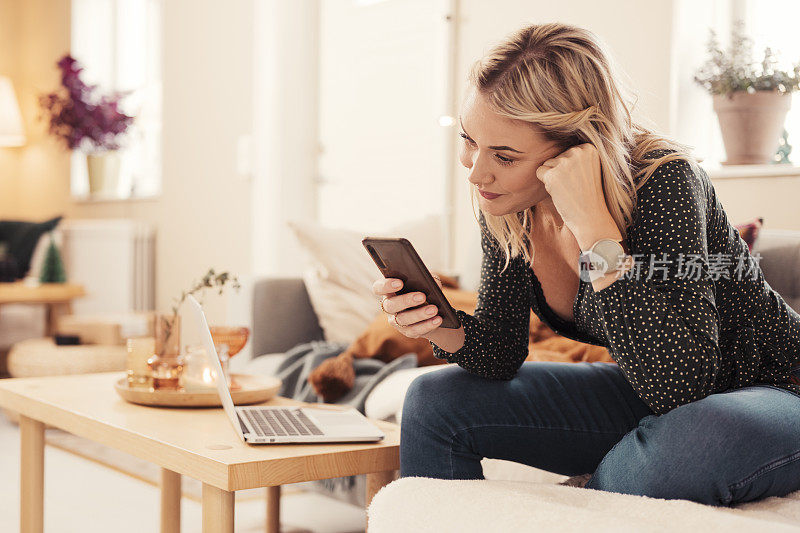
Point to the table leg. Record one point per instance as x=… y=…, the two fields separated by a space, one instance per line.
x=375 y=482
x=273 y=509
x=217 y=510
x=31 y=436
x=54 y=310
x=170 y=501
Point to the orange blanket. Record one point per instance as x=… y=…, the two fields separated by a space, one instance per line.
x=335 y=376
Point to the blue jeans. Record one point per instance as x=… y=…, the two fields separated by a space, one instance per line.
x=575 y=418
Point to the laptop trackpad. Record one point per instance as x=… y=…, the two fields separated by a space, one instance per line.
x=331 y=419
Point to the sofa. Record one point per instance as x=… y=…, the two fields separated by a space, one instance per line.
x=284 y=317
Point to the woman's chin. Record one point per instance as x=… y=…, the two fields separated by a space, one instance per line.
x=493 y=208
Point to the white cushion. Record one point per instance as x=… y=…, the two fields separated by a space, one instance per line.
x=340 y=273
x=266 y=364
x=425 y=504
x=385 y=401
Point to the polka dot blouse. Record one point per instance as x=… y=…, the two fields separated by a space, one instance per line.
x=695 y=316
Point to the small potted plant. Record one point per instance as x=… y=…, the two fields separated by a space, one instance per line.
x=167 y=361
x=88 y=121
x=751 y=99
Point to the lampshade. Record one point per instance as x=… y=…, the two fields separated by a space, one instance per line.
x=11 y=133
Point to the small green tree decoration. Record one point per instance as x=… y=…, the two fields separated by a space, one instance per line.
x=784 y=149
x=53 y=267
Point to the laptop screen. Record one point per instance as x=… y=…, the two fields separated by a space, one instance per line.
x=201 y=324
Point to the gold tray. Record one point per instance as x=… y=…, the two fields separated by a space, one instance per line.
x=252 y=389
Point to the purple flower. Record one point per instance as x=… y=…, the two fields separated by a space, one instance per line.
x=78 y=114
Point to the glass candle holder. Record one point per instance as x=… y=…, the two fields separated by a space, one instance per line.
x=167 y=371
x=197 y=372
x=140 y=349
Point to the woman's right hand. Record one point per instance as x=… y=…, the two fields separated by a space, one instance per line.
x=407 y=313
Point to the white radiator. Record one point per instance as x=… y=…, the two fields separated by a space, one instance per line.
x=114 y=259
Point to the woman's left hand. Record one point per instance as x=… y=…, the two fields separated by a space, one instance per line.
x=574 y=180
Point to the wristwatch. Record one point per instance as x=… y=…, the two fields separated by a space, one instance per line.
x=605 y=256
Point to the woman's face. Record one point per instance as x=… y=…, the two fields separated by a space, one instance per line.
x=502 y=155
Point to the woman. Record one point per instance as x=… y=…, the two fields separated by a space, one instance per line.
x=703 y=402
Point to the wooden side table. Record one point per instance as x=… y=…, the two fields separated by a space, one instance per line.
x=199 y=443
x=56 y=296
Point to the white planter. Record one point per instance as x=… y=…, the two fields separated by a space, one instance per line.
x=103 y=170
x=751 y=125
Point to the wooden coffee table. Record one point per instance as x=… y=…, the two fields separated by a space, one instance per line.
x=56 y=296
x=198 y=443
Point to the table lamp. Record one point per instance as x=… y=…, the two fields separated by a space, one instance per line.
x=11 y=133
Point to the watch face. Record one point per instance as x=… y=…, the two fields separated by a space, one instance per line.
x=603 y=257
x=609 y=249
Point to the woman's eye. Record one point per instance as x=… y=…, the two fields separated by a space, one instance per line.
x=503 y=160
x=500 y=159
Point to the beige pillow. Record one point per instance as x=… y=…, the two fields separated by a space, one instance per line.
x=339 y=272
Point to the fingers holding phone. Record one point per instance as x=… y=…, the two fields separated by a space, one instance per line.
x=399 y=262
x=408 y=313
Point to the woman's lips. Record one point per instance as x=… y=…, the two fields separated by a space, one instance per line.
x=489 y=195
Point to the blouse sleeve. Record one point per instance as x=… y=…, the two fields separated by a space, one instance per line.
x=661 y=318
x=496 y=336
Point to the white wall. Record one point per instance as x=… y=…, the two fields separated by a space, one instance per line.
x=285 y=126
x=382 y=92
x=33 y=35
x=9 y=66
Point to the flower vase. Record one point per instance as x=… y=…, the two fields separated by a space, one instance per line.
x=167 y=363
x=103 y=171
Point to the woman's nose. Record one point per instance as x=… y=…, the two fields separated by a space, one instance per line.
x=479 y=175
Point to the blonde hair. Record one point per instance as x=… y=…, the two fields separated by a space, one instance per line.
x=558 y=78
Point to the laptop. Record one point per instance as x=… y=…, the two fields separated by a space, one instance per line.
x=279 y=424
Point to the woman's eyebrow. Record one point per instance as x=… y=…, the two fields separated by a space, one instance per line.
x=505 y=148
x=508 y=148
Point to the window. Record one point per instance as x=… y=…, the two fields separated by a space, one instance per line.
x=768 y=22
x=773 y=23
x=118 y=42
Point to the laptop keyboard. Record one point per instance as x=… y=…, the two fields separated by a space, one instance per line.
x=280 y=422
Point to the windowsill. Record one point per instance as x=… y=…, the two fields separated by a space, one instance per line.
x=100 y=198
x=752 y=171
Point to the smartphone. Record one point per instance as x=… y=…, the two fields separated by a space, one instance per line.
x=395 y=257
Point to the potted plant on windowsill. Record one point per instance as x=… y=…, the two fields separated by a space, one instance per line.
x=86 y=120
x=751 y=99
